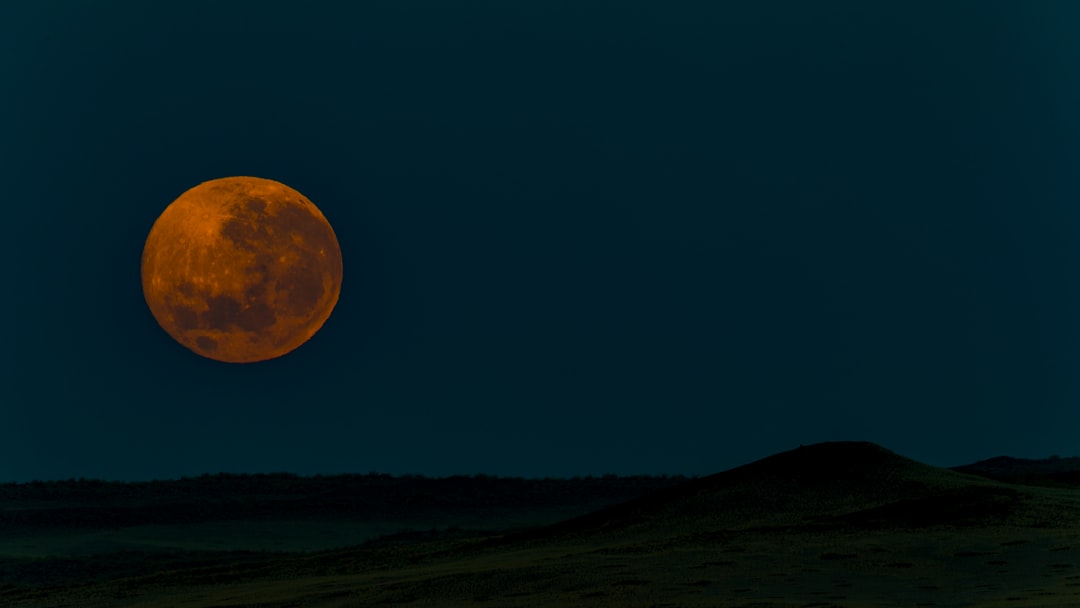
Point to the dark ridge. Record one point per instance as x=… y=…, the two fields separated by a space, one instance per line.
x=827 y=484
x=1054 y=471
x=83 y=503
x=827 y=487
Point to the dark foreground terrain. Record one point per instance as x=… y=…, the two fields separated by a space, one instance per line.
x=836 y=524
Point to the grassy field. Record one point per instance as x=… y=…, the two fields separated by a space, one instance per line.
x=841 y=524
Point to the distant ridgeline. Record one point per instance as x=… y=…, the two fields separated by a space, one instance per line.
x=854 y=469
x=851 y=503
x=1054 y=471
x=80 y=503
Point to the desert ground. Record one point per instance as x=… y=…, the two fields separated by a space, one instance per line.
x=848 y=524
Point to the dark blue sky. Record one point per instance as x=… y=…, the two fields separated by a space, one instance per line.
x=578 y=237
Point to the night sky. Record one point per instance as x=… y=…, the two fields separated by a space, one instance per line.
x=578 y=237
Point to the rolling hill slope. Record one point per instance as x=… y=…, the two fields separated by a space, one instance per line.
x=827 y=486
x=834 y=524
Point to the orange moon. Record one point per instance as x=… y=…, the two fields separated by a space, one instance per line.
x=241 y=269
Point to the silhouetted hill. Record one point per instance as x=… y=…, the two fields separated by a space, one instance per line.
x=1052 y=472
x=852 y=516
x=834 y=484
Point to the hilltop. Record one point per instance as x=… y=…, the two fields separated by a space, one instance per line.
x=830 y=524
x=831 y=484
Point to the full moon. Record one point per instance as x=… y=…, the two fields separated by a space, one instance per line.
x=241 y=269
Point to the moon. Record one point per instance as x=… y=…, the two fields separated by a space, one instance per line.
x=241 y=269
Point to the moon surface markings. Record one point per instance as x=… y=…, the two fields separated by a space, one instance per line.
x=206 y=343
x=185 y=317
x=242 y=269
